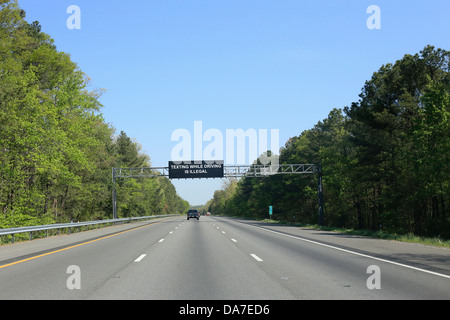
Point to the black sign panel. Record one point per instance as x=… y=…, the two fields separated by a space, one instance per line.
x=195 y=169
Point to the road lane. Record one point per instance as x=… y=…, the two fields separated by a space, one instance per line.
x=99 y=256
x=195 y=262
x=220 y=258
x=320 y=271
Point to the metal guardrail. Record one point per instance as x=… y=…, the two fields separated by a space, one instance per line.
x=71 y=225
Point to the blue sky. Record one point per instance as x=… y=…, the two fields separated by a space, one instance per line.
x=232 y=63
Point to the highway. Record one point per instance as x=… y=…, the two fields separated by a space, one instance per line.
x=218 y=258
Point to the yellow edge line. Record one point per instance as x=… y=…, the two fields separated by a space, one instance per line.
x=77 y=245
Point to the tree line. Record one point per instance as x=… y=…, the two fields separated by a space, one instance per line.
x=385 y=158
x=56 y=150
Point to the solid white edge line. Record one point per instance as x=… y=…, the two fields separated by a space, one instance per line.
x=355 y=253
x=256 y=257
x=142 y=256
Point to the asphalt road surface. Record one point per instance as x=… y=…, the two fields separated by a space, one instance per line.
x=219 y=258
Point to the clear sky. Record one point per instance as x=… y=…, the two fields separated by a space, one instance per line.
x=233 y=64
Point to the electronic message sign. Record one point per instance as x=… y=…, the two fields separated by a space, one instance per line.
x=196 y=169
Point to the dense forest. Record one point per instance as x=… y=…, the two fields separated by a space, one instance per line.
x=56 y=151
x=385 y=158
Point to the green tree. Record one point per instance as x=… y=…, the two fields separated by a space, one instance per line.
x=56 y=152
x=382 y=126
x=384 y=158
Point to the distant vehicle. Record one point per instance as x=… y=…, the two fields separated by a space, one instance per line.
x=193 y=213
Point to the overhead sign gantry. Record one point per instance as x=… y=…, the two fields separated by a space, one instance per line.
x=217 y=169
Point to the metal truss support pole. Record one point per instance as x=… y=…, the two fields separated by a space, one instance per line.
x=114 y=195
x=320 y=194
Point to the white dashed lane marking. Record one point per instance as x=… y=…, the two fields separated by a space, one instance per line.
x=256 y=257
x=142 y=256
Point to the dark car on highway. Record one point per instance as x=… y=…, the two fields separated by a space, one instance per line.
x=193 y=213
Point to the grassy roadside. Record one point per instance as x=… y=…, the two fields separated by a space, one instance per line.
x=436 y=242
